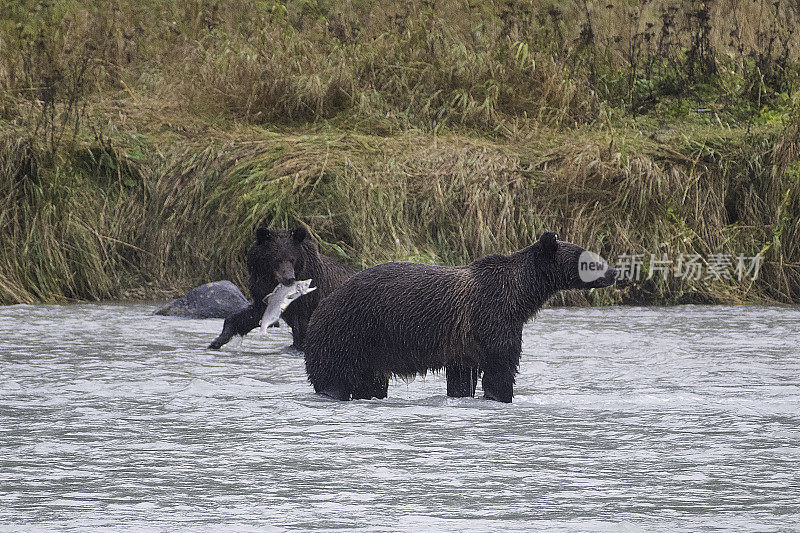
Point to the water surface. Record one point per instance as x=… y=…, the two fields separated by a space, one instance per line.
x=635 y=419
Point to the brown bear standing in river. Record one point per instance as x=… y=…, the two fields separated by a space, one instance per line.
x=283 y=256
x=405 y=318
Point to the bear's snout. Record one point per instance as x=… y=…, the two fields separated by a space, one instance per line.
x=284 y=274
x=609 y=278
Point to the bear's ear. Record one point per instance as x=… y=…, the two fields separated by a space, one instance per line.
x=263 y=235
x=548 y=241
x=300 y=233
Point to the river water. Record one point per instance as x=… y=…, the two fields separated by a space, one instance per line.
x=628 y=418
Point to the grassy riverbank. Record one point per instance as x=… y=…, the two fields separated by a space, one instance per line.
x=141 y=143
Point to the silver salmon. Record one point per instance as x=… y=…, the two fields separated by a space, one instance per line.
x=278 y=300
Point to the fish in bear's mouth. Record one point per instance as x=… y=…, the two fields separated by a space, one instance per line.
x=278 y=300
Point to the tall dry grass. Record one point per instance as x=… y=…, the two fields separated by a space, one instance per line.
x=187 y=215
x=394 y=65
x=141 y=142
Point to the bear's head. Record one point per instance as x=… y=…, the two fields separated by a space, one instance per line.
x=277 y=257
x=569 y=266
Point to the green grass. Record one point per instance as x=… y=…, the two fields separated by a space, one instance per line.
x=141 y=142
x=112 y=219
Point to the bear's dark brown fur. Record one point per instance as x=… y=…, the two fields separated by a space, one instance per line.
x=283 y=256
x=406 y=318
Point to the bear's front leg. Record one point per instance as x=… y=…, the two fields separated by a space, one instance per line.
x=333 y=392
x=378 y=388
x=299 y=325
x=498 y=387
x=499 y=372
x=240 y=323
x=461 y=381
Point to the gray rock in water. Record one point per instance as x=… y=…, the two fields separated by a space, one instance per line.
x=218 y=299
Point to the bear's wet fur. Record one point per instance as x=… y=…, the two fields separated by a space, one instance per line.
x=403 y=319
x=284 y=256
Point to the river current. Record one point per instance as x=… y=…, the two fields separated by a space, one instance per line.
x=624 y=419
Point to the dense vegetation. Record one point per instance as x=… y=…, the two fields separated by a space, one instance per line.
x=141 y=141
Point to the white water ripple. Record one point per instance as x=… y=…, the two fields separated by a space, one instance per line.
x=624 y=419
